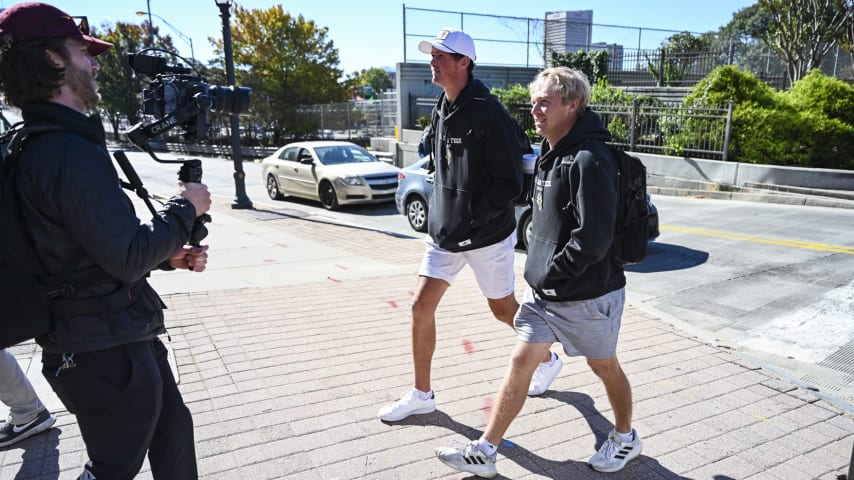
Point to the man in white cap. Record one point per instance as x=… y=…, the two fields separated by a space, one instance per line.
x=477 y=174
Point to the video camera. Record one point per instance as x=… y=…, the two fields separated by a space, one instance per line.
x=176 y=98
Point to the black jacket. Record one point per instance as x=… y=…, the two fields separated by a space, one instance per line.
x=81 y=221
x=574 y=215
x=478 y=171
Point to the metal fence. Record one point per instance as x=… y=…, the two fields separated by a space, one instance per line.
x=666 y=128
x=636 y=55
x=697 y=132
x=355 y=119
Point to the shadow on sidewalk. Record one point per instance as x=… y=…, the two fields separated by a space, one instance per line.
x=642 y=467
x=666 y=257
x=284 y=213
x=40 y=457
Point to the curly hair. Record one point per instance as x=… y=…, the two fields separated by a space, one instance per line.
x=27 y=74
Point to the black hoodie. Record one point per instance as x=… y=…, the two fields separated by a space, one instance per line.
x=478 y=171
x=574 y=214
x=78 y=215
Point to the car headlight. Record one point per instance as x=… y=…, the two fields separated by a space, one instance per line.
x=352 y=181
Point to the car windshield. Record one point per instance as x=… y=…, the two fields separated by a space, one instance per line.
x=339 y=154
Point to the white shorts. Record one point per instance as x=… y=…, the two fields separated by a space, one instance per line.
x=492 y=265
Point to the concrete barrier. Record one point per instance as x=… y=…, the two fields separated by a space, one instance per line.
x=746 y=174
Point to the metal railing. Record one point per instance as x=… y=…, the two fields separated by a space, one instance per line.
x=667 y=129
x=636 y=54
x=355 y=119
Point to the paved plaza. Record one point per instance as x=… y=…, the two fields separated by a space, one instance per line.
x=299 y=331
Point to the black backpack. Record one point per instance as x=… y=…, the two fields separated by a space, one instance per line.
x=24 y=297
x=631 y=229
x=631 y=235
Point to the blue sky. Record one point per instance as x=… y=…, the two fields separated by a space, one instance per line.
x=370 y=33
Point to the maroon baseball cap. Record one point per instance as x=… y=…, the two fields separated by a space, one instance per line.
x=29 y=20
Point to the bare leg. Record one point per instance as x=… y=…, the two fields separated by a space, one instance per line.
x=618 y=389
x=504 y=309
x=514 y=389
x=428 y=292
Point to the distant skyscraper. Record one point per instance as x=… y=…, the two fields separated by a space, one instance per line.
x=568 y=31
x=615 y=53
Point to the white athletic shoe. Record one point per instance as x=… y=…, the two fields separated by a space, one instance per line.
x=543 y=377
x=408 y=404
x=614 y=453
x=465 y=457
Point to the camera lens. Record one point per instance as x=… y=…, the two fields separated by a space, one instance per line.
x=231 y=100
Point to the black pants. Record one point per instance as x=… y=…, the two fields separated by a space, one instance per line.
x=127 y=403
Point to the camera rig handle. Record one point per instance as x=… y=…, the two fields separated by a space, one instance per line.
x=190 y=170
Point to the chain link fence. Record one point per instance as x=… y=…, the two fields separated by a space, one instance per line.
x=637 y=56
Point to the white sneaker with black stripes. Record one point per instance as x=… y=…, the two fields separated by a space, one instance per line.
x=614 y=453
x=465 y=457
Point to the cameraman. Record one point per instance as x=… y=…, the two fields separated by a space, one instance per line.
x=102 y=357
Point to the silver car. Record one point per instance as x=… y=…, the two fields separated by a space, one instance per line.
x=335 y=173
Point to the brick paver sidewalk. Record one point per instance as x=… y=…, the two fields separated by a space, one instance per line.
x=284 y=381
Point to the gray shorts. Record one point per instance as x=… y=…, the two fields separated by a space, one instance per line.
x=587 y=328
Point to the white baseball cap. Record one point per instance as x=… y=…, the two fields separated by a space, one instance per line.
x=450 y=40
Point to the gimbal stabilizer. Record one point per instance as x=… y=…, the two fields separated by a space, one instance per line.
x=190 y=170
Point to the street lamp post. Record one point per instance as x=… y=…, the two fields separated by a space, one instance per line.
x=150 y=25
x=174 y=28
x=241 y=200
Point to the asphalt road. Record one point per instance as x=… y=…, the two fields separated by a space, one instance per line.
x=773 y=282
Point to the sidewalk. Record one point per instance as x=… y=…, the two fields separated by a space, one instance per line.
x=299 y=331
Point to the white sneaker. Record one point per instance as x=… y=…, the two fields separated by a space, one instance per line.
x=465 y=457
x=408 y=404
x=544 y=375
x=615 y=453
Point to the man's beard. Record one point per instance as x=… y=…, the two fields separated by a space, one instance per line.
x=82 y=84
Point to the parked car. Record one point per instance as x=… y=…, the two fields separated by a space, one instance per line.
x=335 y=173
x=413 y=192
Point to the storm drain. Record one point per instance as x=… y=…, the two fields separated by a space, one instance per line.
x=830 y=378
x=842 y=359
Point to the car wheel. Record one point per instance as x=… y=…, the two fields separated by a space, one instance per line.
x=273 y=188
x=416 y=213
x=523 y=231
x=328 y=197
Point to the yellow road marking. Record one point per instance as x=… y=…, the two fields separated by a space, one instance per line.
x=822 y=247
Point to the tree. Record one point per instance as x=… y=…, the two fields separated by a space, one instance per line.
x=741 y=39
x=594 y=63
x=678 y=56
x=119 y=86
x=376 y=78
x=802 y=32
x=288 y=61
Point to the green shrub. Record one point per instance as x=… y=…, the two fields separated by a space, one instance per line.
x=604 y=94
x=768 y=136
x=512 y=96
x=423 y=121
x=828 y=95
x=729 y=82
x=829 y=142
